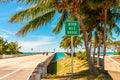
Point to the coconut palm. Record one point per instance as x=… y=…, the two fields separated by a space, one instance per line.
x=66 y=42
x=44 y=10
x=111 y=23
x=105 y=5
x=13 y=48
x=114 y=46
x=3 y=44
x=42 y=13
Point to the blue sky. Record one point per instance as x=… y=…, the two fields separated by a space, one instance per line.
x=41 y=39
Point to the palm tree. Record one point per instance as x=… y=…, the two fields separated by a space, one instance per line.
x=3 y=47
x=44 y=10
x=66 y=42
x=105 y=5
x=114 y=46
x=13 y=48
x=99 y=41
x=42 y=13
x=94 y=51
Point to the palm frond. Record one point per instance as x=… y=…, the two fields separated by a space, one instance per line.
x=117 y=30
x=3 y=1
x=93 y=4
x=32 y=12
x=60 y=23
x=30 y=1
x=34 y=1
x=35 y=23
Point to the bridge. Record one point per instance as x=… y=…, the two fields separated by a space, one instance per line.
x=112 y=65
x=32 y=67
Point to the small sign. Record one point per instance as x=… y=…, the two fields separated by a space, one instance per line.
x=72 y=28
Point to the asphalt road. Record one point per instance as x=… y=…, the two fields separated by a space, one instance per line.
x=20 y=68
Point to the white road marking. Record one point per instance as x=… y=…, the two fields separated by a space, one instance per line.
x=22 y=64
x=1 y=78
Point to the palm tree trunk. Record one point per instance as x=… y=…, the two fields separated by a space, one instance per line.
x=93 y=59
x=90 y=46
x=105 y=21
x=91 y=66
x=99 y=43
x=98 y=56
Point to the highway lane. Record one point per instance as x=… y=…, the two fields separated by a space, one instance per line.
x=20 y=68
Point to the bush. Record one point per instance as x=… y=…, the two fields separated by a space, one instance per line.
x=81 y=55
x=117 y=53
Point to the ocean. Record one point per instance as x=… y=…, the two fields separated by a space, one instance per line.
x=107 y=53
x=110 y=53
x=59 y=55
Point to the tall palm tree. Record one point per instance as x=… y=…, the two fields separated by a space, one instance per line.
x=42 y=13
x=44 y=10
x=99 y=41
x=64 y=7
x=105 y=5
x=94 y=50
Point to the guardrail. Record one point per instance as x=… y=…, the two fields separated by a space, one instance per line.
x=41 y=69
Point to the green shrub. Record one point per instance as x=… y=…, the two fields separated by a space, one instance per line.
x=117 y=53
x=81 y=55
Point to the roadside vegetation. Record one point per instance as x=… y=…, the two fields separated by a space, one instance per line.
x=60 y=70
x=9 y=48
x=114 y=46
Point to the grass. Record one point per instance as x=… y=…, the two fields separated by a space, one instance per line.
x=59 y=71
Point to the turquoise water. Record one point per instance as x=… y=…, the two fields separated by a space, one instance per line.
x=107 y=53
x=110 y=53
x=59 y=55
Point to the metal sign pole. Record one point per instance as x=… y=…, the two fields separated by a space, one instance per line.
x=72 y=56
x=72 y=29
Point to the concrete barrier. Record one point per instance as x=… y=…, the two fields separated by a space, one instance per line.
x=112 y=65
x=41 y=70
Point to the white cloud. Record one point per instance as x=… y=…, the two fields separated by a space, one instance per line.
x=38 y=43
x=43 y=38
x=19 y=8
x=7 y=31
x=3 y=35
x=26 y=46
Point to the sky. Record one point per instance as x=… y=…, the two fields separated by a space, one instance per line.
x=41 y=39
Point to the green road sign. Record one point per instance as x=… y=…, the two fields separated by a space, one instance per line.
x=72 y=28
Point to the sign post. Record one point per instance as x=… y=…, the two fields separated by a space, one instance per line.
x=72 y=56
x=72 y=29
